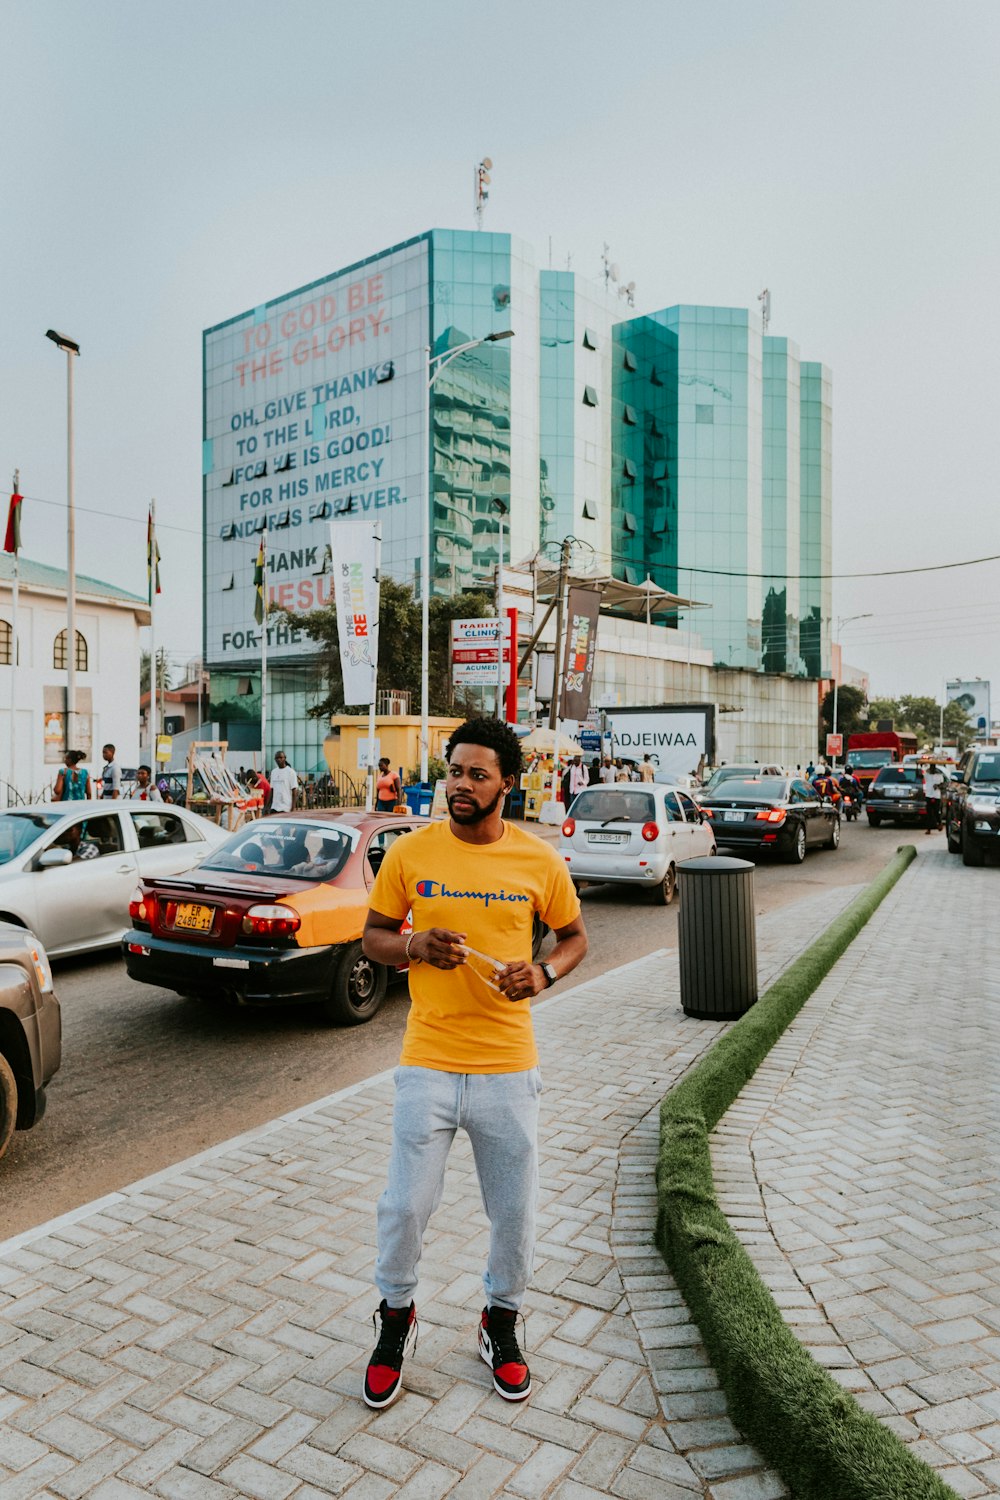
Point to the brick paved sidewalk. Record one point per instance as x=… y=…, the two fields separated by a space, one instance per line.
x=203 y=1333
x=861 y=1168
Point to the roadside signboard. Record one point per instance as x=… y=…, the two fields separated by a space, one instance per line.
x=474 y=652
x=834 y=745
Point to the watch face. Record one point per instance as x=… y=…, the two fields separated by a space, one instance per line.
x=549 y=973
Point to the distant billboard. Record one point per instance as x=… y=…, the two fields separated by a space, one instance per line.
x=313 y=416
x=974 y=698
x=676 y=738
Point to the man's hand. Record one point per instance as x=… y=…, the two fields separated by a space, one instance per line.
x=439 y=947
x=520 y=980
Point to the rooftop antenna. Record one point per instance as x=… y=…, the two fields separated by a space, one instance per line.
x=764 y=298
x=483 y=171
x=609 y=266
x=628 y=292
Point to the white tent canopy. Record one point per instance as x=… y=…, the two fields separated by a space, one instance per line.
x=639 y=601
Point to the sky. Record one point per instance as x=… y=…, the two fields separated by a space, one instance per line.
x=165 y=167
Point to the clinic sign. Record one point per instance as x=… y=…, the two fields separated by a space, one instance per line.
x=312 y=418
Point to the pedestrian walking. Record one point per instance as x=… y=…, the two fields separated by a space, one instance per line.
x=110 y=784
x=607 y=769
x=388 y=790
x=933 y=782
x=622 y=772
x=472 y=885
x=73 y=780
x=647 y=771
x=143 y=788
x=284 y=785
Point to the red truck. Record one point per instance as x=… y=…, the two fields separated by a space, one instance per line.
x=867 y=753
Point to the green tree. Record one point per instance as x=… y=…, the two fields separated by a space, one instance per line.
x=921 y=715
x=398 y=650
x=850 y=710
x=162 y=671
x=884 y=708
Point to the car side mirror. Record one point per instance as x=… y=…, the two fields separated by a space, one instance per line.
x=51 y=858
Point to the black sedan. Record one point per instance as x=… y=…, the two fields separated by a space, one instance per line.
x=897 y=795
x=772 y=814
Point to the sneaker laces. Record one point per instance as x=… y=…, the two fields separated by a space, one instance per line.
x=393 y=1338
x=502 y=1329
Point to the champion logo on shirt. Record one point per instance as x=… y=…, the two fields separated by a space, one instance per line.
x=438 y=888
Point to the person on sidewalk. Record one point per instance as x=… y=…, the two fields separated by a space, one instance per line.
x=933 y=781
x=110 y=782
x=388 y=790
x=284 y=786
x=647 y=771
x=473 y=884
x=143 y=788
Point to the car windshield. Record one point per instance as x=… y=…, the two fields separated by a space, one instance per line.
x=303 y=851
x=755 y=789
x=899 y=776
x=602 y=804
x=728 y=773
x=870 y=758
x=19 y=830
x=986 y=768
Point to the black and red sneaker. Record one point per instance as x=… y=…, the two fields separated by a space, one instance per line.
x=383 y=1378
x=499 y=1348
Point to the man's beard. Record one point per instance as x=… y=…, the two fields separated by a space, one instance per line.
x=472 y=814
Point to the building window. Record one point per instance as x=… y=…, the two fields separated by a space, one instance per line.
x=629 y=471
x=590 y=510
x=589 y=339
x=6 y=643
x=59 y=654
x=590 y=395
x=631 y=524
x=661 y=523
x=629 y=360
x=704 y=413
x=631 y=574
x=628 y=415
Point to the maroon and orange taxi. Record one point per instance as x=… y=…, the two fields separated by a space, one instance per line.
x=274 y=915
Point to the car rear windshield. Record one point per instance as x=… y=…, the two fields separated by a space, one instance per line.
x=602 y=804
x=19 y=830
x=870 y=758
x=754 y=789
x=899 y=776
x=986 y=768
x=301 y=851
x=728 y=773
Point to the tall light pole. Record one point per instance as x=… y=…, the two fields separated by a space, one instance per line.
x=72 y=350
x=841 y=622
x=501 y=506
x=442 y=361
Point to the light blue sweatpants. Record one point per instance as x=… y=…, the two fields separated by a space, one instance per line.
x=499 y=1113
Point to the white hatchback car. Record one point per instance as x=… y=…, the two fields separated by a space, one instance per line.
x=68 y=869
x=635 y=833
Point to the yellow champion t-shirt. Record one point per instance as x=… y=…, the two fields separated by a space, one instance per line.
x=458 y=1023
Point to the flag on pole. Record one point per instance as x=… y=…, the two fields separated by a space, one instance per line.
x=12 y=541
x=152 y=558
x=260 y=585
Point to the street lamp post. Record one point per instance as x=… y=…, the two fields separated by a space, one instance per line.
x=71 y=350
x=430 y=375
x=841 y=622
x=501 y=506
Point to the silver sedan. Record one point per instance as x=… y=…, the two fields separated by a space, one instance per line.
x=68 y=869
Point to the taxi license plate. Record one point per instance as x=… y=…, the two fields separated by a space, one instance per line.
x=194 y=918
x=897 y=791
x=607 y=838
x=734 y=817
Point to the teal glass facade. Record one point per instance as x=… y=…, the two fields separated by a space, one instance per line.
x=780 y=514
x=557 y=403
x=816 y=448
x=644 y=470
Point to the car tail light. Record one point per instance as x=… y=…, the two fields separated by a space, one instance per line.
x=569 y=828
x=771 y=815
x=271 y=921
x=141 y=907
x=650 y=831
x=707 y=812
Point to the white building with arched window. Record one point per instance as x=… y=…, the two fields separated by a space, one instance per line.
x=33 y=689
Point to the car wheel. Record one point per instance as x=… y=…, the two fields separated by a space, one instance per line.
x=357 y=988
x=797 y=852
x=8 y=1103
x=874 y=819
x=835 y=834
x=539 y=932
x=971 y=854
x=667 y=888
x=954 y=841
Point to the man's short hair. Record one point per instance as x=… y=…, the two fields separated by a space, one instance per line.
x=109 y=746
x=148 y=770
x=492 y=734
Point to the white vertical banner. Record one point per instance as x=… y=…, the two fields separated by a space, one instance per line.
x=355 y=548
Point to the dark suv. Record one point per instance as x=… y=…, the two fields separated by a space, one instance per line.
x=897 y=795
x=971 y=807
x=30 y=1030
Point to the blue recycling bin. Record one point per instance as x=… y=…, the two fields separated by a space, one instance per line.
x=419 y=797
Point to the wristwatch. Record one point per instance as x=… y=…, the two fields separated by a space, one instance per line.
x=550 y=974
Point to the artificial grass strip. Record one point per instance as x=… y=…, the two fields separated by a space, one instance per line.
x=814 y=1433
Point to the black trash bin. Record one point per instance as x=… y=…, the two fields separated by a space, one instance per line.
x=718 y=938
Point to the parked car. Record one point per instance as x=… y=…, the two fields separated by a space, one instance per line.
x=30 y=1030
x=730 y=773
x=772 y=814
x=970 y=807
x=275 y=915
x=633 y=833
x=67 y=869
x=897 y=796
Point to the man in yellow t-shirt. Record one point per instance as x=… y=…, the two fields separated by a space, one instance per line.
x=473 y=885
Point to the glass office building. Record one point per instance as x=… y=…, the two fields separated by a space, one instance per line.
x=680 y=445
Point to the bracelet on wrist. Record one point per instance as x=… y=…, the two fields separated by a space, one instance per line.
x=406 y=950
